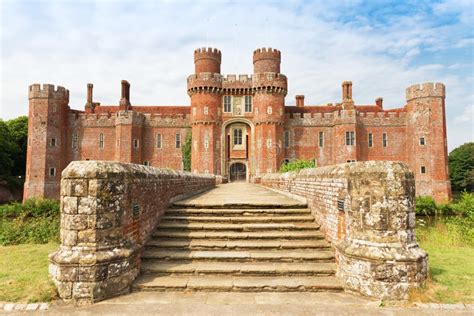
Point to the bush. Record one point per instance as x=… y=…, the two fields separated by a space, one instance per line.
x=425 y=205
x=35 y=221
x=298 y=165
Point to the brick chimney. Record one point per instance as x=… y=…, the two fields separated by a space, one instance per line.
x=300 y=101
x=89 y=107
x=347 y=102
x=379 y=102
x=125 y=98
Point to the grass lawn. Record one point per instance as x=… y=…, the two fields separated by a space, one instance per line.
x=451 y=266
x=24 y=273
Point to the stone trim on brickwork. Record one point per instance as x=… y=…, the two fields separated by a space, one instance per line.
x=366 y=210
x=108 y=212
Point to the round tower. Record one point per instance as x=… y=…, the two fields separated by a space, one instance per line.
x=207 y=60
x=204 y=88
x=266 y=60
x=270 y=89
x=426 y=139
x=47 y=142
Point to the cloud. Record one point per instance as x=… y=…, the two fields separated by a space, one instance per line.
x=381 y=48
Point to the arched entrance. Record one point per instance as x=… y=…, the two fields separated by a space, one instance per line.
x=238 y=172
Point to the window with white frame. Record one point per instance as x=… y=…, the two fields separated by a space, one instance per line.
x=52 y=142
x=350 y=138
x=238 y=134
x=206 y=110
x=101 y=140
x=146 y=163
x=178 y=140
x=269 y=143
x=248 y=103
x=384 y=140
x=269 y=110
x=422 y=141
x=227 y=103
x=423 y=169
x=159 y=141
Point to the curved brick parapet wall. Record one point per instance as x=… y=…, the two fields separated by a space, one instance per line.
x=366 y=210
x=108 y=211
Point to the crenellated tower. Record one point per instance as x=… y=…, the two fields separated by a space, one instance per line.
x=46 y=150
x=205 y=90
x=270 y=88
x=427 y=148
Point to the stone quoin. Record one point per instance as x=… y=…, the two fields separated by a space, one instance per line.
x=241 y=129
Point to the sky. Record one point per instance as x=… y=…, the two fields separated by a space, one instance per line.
x=381 y=46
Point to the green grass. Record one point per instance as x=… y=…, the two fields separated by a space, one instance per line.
x=451 y=265
x=24 y=273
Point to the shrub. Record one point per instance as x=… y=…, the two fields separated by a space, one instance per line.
x=35 y=221
x=425 y=205
x=298 y=165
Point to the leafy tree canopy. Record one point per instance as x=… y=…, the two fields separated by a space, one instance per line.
x=461 y=167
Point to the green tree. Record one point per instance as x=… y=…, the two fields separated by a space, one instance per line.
x=187 y=152
x=7 y=150
x=18 y=129
x=461 y=167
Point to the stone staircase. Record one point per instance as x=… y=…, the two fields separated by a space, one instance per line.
x=238 y=247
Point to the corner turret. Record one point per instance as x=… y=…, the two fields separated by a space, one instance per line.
x=266 y=60
x=207 y=60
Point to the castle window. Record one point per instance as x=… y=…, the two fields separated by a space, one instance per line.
x=422 y=141
x=248 y=103
x=227 y=103
x=321 y=139
x=194 y=111
x=136 y=143
x=101 y=141
x=384 y=140
x=287 y=139
x=158 y=141
x=206 y=142
x=54 y=108
x=269 y=143
x=269 y=110
x=351 y=160
x=206 y=110
x=371 y=140
x=350 y=138
x=178 y=140
x=238 y=136
x=52 y=142
x=423 y=169
x=74 y=140
x=52 y=172
x=146 y=163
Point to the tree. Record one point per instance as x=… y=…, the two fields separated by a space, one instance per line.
x=461 y=168
x=187 y=152
x=18 y=129
x=7 y=150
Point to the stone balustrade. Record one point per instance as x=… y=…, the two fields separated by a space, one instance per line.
x=366 y=210
x=108 y=212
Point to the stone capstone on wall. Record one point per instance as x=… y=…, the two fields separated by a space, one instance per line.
x=366 y=209
x=108 y=211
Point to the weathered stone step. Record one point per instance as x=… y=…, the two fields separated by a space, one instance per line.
x=237 y=212
x=239 y=255
x=166 y=267
x=239 y=235
x=239 y=219
x=198 y=244
x=149 y=282
x=237 y=226
x=238 y=205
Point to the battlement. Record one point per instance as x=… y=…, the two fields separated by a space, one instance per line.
x=207 y=60
x=425 y=90
x=48 y=91
x=266 y=60
x=207 y=52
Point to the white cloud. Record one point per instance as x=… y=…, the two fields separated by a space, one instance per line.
x=151 y=45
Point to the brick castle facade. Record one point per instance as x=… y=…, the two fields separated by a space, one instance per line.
x=241 y=129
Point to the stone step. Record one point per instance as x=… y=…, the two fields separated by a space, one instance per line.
x=271 y=234
x=239 y=205
x=203 y=244
x=240 y=255
x=237 y=226
x=239 y=219
x=150 y=282
x=237 y=212
x=166 y=267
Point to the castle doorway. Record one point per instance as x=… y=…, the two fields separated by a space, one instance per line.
x=238 y=172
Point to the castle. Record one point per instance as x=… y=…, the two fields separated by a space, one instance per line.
x=241 y=129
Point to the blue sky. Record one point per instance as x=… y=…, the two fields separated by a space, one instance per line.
x=382 y=46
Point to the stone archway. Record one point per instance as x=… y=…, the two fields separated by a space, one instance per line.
x=237 y=172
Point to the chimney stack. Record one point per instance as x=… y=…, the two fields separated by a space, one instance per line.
x=379 y=102
x=346 y=90
x=125 y=98
x=300 y=101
